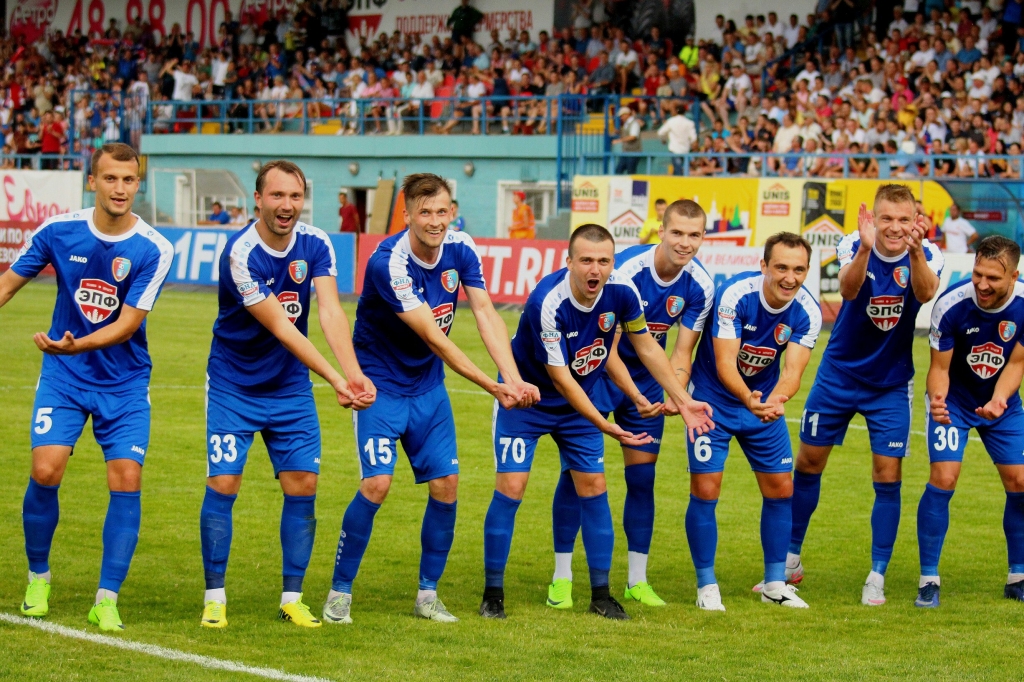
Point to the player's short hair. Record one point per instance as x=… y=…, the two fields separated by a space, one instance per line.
x=592 y=232
x=420 y=186
x=118 y=151
x=790 y=239
x=283 y=166
x=686 y=208
x=996 y=247
x=896 y=194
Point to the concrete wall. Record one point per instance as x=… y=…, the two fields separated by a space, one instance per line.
x=326 y=159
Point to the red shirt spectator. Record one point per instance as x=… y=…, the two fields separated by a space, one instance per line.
x=51 y=134
x=348 y=213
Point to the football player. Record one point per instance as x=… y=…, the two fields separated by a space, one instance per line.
x=110 y=268
x=974 y=383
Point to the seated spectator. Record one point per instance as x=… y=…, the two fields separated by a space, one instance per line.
x=218 y=216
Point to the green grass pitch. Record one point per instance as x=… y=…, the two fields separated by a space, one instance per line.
x=974 y=635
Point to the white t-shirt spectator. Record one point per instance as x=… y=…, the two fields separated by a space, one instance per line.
x=957 y=232
x=183 y=83
x=218 y=71
x=736 y=86
x=422 y=91
x=784 y=138
x=681 y=134
x=476 y=90
x=900 y=24
x=987 y=28
x=808 y=76
x=791 y=34
x=982 y=92
x=627 y=59
x=920 y=59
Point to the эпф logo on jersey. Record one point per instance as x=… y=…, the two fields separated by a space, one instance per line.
x=590 y=358
x=298 y=269
x=1007 y=329
x=450 y=280
x=752 y=359
x=291 y=304
x=674 y=305
x=606 y=321
x=120 y=268
x=783 y=332
x=986 y=359
x=96 y=299
x=901 y=275
x=658 y=330
x=885 y=311
x=444 y=315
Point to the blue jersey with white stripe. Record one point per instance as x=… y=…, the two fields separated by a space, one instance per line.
x=873 y=337
x=394 y=357
x=244 y=354
x=556 y=330
x=981 y=340
x=685 y=300
x=741 y=312
x=96 y=275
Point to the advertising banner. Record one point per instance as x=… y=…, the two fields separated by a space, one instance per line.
x=33 y=196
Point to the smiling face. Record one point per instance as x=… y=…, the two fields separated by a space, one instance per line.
x=590 y=265
x=784 y=274
x=428 y=219
x=993 y=281
x=891 y=221
x=115 y=183
x=280 y=203
x=681 y=237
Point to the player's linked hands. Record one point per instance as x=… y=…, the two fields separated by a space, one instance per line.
x=940 y=414
x=625 y=437
x=529 y=396
x=866 y=226
x=507 y=395
x=669 y=409
x=993 y=409
x=697 y=417
x=363 y=390
x=65 y=346
x=646 y=408
x=769 y=410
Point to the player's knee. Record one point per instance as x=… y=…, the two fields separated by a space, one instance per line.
x=511 y=485
x=444 y=489
x=944 y=479
x=887 y=469
x=811 y=459
x=47 y=473
x=705 y=488
x=124 y=475
x=1013 y=478
x=225 y=484
x=375 y=488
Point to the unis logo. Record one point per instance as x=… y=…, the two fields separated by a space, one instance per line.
x=590 y=358
x=444 y=315
x=674 y=305
x=402 y=286
x=450 y=280
x=96 y=299
x=885 y=311
x=247 y=289
x=606 y=322
x=726 y=313
x=658 y=330
x=986 y=359
x=551 y=338
x=297 y=270
x=901 y=275
x=120 y=268
x=1007 y=329
x=783 y=332
x=291 y=304
x=753 y=359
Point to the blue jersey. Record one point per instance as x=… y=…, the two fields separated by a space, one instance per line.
x=96 y=275
x=981 y=340
x=686 y=299
x=244 y=354
x=741 y=312
x=394 y=357
x=873 y=337
x=556 y=330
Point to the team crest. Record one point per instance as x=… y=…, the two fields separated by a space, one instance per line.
x=986 y=359
x=120 y=268
x=901 y=275
x=885 y=311
x=590 y=358
x=674 y=305
x=783 y=332
x=606 y=322
x=297 y=270
x=290 y=301
x=450 y=280
x=96 y=299
x=1007 y=329
x=444 y=315
x=753 y=359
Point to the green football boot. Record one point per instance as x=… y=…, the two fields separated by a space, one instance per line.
x=560 y=594
x=105 y=615
x=644 y=593
x=37 y=595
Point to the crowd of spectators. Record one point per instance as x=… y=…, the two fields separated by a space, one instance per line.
x=827 y=92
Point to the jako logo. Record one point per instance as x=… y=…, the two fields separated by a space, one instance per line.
x=572 y=335
x=79 y=259
x=895 y=444
x=137 y=450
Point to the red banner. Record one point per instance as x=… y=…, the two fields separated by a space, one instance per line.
x=511 y=267
x=12 y=238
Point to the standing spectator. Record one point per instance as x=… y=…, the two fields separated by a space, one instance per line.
x=523 y=223
x=458 y=223
x=51 y=136
x=183 y=77
x=682 y=135
x=959 y=233
x=629 y=135
x=649 y=231
x=463 y=21
x=348 y=215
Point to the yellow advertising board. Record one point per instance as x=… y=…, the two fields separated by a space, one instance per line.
x=589 y=200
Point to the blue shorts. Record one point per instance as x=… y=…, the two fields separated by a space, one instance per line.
x=423 y=423
x=835 y=398
x=287 y=422
x=1002 y=438
x=766 y=446
x=610 y=400
x=120 y=420
x=516 y=432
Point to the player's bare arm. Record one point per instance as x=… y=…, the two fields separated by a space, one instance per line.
x=726 y=353
x=272 y=315
x=619 y=374
x=578 y=399
x=797 y=357
x=421 y=321
x=938 y=385
x=1006 y=386
x=334 y=323
x=494 y=334
x=128 y=321
x=696 y=415
x=923 y=280
x=681 y=361
x=852 y=275
x=10 y=284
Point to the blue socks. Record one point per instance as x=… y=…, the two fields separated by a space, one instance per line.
x=1013 y=526
x=298 y=528
x=806 y=491
x=356 y=527
x=776 y=528
x=436 y=538
x=565 y=514
x=638 y=512
x=885 y=521
x=932 y=524
x=598 y=537
x=215 y=535
x=498 y=526
x=39 y=514
x=120 y=535
x=702 y=536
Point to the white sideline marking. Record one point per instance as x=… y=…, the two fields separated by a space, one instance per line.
x=207 y=662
